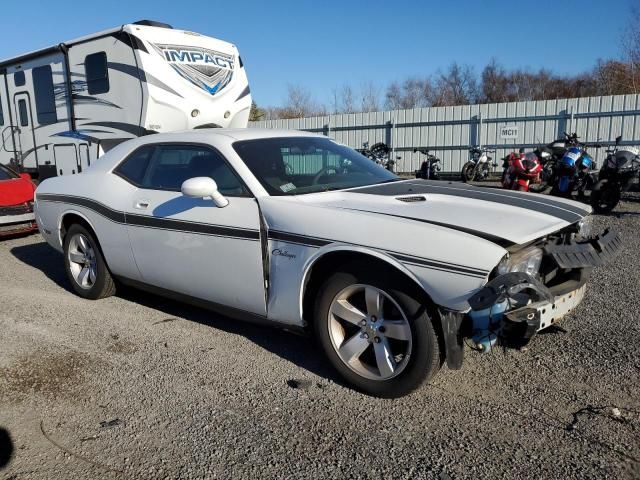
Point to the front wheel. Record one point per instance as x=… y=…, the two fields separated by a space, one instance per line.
x=85 y=266
x=605 y=196
x=468 y=172
x=376 y=333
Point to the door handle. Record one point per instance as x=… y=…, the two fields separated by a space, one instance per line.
x=141 y=204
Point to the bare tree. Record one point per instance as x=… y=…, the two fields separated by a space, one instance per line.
x=347 y=99
x=456 y=86
x=494 y=85
x=370 y=97
x=300 y=104
x=414 y=92
x=393 y=96
x=631 y=48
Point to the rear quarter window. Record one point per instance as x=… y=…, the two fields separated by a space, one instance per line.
x=134 y=167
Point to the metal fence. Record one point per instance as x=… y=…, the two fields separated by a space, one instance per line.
x=451 y=131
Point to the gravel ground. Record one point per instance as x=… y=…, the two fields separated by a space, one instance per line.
x=135 y=386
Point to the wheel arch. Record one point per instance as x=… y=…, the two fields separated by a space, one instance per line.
x=70 y=217
x=328 y=260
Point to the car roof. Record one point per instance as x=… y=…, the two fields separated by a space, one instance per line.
x=233 y=133
x=204 y=135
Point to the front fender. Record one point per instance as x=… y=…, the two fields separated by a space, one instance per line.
x=340 y=247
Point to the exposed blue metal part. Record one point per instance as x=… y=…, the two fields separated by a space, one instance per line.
x=486 y=325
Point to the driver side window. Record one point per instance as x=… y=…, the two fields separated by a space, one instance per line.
x=166 y=167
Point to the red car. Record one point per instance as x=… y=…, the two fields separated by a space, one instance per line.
x=16 y=203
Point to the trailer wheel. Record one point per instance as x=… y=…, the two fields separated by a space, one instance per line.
x=85 y=266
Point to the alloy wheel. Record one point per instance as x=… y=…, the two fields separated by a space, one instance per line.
x=82 y=261
x=370 y=332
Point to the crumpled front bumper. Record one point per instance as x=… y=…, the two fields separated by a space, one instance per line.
x=511 y=308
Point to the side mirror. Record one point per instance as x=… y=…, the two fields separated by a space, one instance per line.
x=25 y=176
x=203 y=187
x=618 y=139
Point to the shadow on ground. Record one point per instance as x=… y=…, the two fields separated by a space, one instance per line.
x=298 y=349
x=6 y=448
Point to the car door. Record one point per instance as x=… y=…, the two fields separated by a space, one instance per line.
x=188 y=245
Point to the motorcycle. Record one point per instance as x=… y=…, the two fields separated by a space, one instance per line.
x=508 y=161
x=477 y=168
x=430 y=168
x=379 y=153
x=620 y=170
x=573 y=172
x=524 y=169
x=550 y=155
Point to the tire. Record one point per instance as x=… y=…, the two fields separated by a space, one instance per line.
x=415 y=361
x=604 y=197
x=468 y=174
x=89 y=275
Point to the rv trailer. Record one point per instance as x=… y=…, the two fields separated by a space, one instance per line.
x=63 y=106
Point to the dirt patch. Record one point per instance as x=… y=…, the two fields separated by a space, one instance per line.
x=44 y=373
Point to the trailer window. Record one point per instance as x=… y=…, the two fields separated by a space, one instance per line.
x=19 y=79
x=95 y=68
x=45 y=95
x=22 y=113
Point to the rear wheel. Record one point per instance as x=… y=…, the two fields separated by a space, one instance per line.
x=605 y=196
x=376 y=333
x=468 y=172
x=85 y=266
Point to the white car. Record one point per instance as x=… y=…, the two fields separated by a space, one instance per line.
x=295 y=229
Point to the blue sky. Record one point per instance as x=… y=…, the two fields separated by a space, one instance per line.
x=325 y=44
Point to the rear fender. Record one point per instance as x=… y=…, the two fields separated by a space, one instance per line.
x=61 y=220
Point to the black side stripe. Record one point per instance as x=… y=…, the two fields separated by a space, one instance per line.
x=153 y=222
x=404 y=258
x=99 y=208
x=439 y=266
x=298 y=239
x=190 y=227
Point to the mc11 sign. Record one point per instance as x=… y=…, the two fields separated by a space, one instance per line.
x=508 y=132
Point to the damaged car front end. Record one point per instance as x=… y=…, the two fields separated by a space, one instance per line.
x=531 y=289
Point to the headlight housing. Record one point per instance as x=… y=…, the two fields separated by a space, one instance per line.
x=527 y=260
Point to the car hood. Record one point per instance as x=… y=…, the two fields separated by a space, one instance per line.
x=502 y=216
x=15 y=192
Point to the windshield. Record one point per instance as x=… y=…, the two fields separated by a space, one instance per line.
x=6 y=174
x=296 y=165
